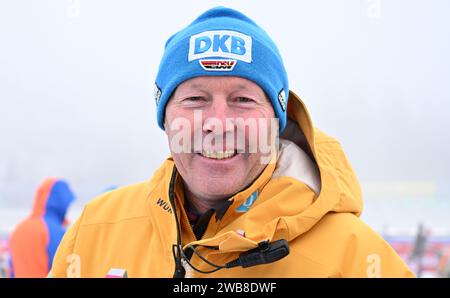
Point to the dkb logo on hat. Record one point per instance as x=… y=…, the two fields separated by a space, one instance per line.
x=220 y=43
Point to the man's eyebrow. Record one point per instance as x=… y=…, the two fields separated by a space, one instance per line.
x=195 y=85
x=240 y=86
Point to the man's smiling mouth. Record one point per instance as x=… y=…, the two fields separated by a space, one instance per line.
x=219 y=154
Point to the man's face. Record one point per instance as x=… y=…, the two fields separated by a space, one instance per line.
x=204 y=120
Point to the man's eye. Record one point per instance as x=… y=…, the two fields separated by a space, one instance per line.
x=193 y=99
x=244 y=99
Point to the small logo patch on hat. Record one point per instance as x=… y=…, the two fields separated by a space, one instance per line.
x=157 y=94
x=220 y=44
x=218 y=65
x=282 y=99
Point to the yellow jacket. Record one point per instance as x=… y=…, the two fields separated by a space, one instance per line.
x=133 y=228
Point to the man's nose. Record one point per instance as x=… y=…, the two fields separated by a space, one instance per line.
x=217 y=112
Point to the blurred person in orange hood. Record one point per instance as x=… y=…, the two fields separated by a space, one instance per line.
x=34 y=241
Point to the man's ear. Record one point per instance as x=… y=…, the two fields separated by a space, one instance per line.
x=165 y=125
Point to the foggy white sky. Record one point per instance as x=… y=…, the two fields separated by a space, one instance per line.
x=76 y=90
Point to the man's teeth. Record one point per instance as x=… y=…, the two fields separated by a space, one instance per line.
x=218 y=155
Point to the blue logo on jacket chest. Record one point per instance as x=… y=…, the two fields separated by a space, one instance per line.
x=248 y=203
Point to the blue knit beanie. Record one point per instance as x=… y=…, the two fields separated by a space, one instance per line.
x=222 y=42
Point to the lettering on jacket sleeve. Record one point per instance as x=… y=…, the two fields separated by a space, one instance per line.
x=164 y=205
